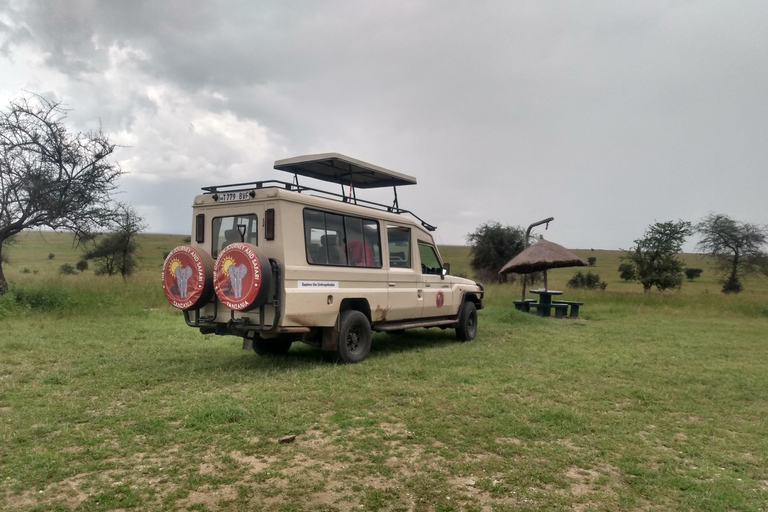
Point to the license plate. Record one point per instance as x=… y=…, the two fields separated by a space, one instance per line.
x=226 y=197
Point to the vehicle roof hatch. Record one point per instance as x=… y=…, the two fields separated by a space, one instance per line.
x=344 y=170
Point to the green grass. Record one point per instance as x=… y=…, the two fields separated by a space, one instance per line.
x=108 y=401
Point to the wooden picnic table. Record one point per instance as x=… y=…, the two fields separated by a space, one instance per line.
x=546 y=304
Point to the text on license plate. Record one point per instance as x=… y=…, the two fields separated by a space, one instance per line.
x=234 y=196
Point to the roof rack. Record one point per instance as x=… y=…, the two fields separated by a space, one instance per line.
x=255 y=185
x=334 y=168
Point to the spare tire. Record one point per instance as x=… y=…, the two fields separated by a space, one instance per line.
x=242 y=277
x=188 y=277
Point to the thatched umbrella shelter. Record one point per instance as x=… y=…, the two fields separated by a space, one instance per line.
x=542 y=256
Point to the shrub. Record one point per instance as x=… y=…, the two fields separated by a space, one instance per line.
x=589 y=280
x=82 y=265
x=25 y=270
x=628 y=271
x=67 y=270
x=45 y=299
x=592 y=261
x=693 y=273
x=732 y=285
x=51 y=256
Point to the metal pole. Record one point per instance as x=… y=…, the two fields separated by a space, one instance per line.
x=527 y=235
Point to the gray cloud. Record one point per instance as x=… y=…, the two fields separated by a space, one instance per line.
x=606 y=116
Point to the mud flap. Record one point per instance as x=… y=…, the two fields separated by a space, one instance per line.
x=247 y=343
x=331 y=338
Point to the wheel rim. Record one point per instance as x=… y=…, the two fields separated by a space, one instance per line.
x=353 y=339
x=472 y=323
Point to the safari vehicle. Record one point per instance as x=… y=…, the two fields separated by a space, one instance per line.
x=276 y=262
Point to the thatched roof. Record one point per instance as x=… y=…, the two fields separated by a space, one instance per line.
x=541 y=256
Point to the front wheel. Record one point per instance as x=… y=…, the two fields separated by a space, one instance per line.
x=354 y=337
x=467 y=328
x=274 y=347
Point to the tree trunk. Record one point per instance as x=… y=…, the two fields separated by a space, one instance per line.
x=735 y=268
x=3 y=282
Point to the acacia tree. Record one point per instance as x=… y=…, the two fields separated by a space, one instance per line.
x=491 y=246
x=655 y=255
x=49 y=176
x=115 y=252
x=737 y=248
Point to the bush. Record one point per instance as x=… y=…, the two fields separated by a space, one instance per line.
x=592 y=261
x=67 y=270
x=627 y=271
x=25 y=270
x=693 y=273
x=732 y=285
x=82 y=265
x=44 y=299
x=589 y=280
x=51 y=256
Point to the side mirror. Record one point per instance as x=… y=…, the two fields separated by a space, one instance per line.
x=445 y=270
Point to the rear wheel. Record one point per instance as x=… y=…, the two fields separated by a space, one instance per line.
x=354 y=337
x=467 y=328
x=275 y=346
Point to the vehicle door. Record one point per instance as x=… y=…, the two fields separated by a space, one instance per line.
x=235 y=224
x=404 y=282
x=436 y=289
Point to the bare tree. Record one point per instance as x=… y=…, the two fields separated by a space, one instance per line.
x=49 y=176
x=115 y=252
x=737 y=248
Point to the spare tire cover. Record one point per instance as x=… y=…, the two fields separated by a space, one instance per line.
x=188 y=277
x=242 y=277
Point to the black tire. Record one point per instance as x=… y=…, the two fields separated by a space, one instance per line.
x=354 y=337
x=271 y=347
x=467 y=328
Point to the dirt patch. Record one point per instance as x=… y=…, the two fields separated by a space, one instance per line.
x=585 y=481
x=208 y=497
x=68 y=492
x=257 y=463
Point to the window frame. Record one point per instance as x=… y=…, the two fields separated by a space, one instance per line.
x=215 y=251
x=343 y=234
x=408 y=254
x=437 y=270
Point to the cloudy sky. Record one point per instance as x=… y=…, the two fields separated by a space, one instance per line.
x=607 y=116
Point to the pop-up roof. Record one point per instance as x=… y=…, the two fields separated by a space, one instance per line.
x=338 y=168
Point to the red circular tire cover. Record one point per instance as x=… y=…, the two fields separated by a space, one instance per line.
x=242 y=277
x=188 y=277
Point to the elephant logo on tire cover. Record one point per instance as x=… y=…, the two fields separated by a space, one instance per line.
x=182 y=280
x=236 y=275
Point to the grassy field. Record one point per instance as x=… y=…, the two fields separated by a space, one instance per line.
x=108 y=401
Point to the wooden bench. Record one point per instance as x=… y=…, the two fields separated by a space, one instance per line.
x=524 y=305
x=574 y=307
x=546 y=309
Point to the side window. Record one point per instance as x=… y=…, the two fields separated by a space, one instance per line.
x=399 y=247
x=430 y=263
x=341 y=240
x=226 y=230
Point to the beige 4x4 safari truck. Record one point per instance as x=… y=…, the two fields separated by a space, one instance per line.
x=276 y=262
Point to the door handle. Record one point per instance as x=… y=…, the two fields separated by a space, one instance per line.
x=391 y=284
